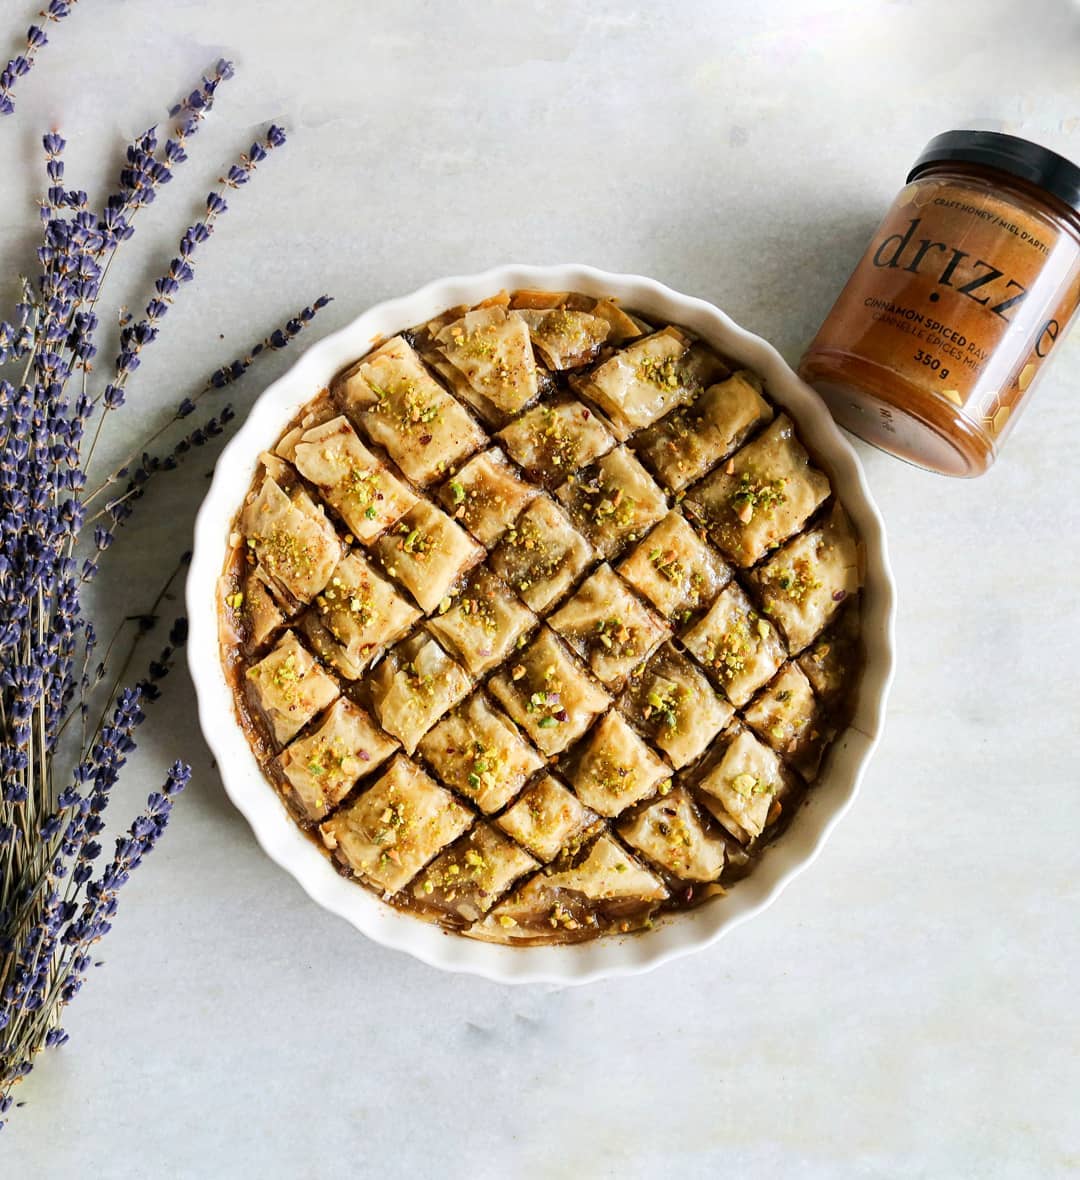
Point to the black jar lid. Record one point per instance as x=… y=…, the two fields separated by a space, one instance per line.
x=1007 y=153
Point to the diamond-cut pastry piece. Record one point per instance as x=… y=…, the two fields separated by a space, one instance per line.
x=610 y=629
x=533 y=299
x=641 y=382
x=675 y=569
x=480 y=753
x=606 y=888
x=293 y=542
x=325 y=645
x=483 y=624
x=546 y=818
x=469 y=877
x=413 y=686
x=392 y=397
x=615 y=768
x=607 y=873
x=486 y=496
x=786 y=715
x=621 y=325
x=362 y=611
x=740 y=648
x=362 y=490
x=263 y=613
x=760 y=496
x=671 y=834
x=324 y=766
x=427 y=553
x=566 y=339
x=541 y=555
x=671 y=700
x=490 y=361
x=252 y=613
x=804 y=584
x=394 y=828
x=315 y=414
x=555 y=439
x=614 y=502
x=682 y=446
x=744 y=791
x=548 y=694
x=828 y=661
x=290 y=687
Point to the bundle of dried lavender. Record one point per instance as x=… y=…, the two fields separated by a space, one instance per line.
x=67 y=720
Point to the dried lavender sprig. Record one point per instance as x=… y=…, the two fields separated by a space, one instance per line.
x=112 y=741
x=138 y=185
x=277 y=340
x=144 y=171
x=145 y=623
x=119 y=509
x=69 y=830
x=143 y=174
x=22 y=63
x=76 y=930
x=137 y=336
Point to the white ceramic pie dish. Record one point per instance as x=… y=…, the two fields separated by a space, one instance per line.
x=278 y=834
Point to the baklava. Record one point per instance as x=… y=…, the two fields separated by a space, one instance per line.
x=541 y=619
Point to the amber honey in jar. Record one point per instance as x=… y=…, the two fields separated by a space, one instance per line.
x=967 y=287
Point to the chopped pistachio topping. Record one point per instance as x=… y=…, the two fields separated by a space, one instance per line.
x=663 y=707
x=362 y=485
x=611 y=776
x=285 y=555
x=754 y=493
x=729 y=653
x=414 y=408
x=796 y=580
x=479 y=607
x=286 y=677
x=659 y=371
x=547 y=701
x=611 y=505
x=415 y=541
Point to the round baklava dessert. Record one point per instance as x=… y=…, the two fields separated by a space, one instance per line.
x=541 y=619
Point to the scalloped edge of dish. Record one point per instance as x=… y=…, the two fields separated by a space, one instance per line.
x=680 y=933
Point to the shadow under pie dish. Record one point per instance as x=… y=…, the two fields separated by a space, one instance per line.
x=540 y=610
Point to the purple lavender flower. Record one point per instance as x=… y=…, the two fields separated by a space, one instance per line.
x=136 y=335
x=22 y=63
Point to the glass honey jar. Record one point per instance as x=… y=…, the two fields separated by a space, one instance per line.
x=969 y=283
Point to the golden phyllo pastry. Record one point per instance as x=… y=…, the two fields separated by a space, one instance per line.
x=323 y=767
x=395 y=827
x=543 y=618
x=400 y=406
x=289 y=687
x=360 y=489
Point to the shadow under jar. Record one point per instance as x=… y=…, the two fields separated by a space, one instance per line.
x=971 y=279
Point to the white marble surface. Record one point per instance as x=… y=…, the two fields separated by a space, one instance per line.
x=908 y=1008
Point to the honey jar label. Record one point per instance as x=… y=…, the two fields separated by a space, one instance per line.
x=962 y=293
